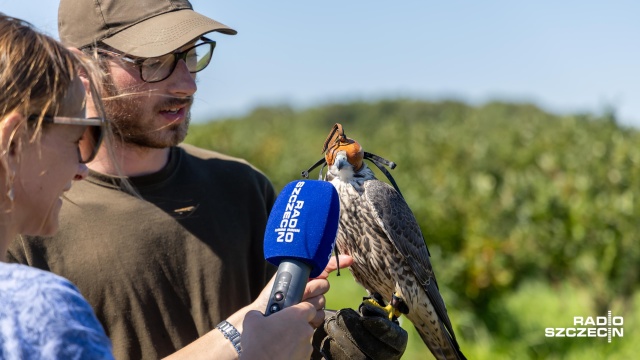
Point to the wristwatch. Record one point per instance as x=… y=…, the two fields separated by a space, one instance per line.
x=231 y=333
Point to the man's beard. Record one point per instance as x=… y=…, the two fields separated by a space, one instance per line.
x=132 y=126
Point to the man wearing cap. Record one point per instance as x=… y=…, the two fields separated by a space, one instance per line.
x=162 y=267
x=177 y=261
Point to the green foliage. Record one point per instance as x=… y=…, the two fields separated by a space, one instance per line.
x=531 y=218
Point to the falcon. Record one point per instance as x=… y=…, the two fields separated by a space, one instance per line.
x=390 y=257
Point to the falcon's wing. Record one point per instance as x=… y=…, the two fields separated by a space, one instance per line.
x=397 y=221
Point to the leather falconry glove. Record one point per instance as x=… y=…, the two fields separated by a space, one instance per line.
x=354 y=336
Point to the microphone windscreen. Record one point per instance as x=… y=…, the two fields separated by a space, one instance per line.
x=303 y=224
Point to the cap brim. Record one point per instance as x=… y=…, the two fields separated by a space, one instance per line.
x=164 y=33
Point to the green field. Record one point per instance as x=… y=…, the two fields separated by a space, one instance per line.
x=531 y=217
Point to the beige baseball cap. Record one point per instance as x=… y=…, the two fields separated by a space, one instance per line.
x=144 y=28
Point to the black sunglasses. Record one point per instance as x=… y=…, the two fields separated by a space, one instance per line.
x=91 y=138
x=155 y=69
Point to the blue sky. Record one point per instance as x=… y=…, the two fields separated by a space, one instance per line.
x=565 y=56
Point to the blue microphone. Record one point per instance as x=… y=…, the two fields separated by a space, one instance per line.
x=299 y=238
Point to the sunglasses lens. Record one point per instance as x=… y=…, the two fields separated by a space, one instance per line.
x=159 y=68
x=199 y=57
x=156 y=69
x=90 y=143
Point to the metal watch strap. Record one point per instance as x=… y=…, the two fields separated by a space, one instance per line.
x=231 y=333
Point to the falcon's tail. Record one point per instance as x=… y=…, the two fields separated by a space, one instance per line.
x=446 y=348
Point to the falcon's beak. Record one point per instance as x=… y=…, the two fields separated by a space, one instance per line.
x=341 y=162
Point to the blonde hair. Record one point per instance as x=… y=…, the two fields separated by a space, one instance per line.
x=36 y=71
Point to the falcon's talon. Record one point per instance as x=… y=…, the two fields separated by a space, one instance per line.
x=393 y=313
x=374 y=302
x=379 y=299
x=398 y=303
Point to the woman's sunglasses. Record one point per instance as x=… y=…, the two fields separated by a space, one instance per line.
x=91 y=138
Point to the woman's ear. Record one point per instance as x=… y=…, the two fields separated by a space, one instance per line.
x=10 y=128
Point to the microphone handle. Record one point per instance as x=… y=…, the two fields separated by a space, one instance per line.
x=288 y=288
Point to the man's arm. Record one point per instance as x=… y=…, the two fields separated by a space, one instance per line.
x=263 y=337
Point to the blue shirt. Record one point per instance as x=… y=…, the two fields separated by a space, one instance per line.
x=43 y=316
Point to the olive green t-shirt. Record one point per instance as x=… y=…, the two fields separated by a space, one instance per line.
x=163 y=270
